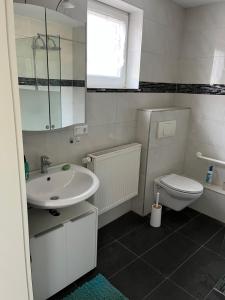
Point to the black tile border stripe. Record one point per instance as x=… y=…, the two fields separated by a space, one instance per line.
x=51 y=82
x=174 y=88
x=144 y=87
x=205 y=89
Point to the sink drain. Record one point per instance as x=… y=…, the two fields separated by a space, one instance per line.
x=54 y=198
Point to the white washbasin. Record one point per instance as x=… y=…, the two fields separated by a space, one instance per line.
x=59 y=188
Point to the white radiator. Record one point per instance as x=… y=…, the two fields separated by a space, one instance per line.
x=118 y=171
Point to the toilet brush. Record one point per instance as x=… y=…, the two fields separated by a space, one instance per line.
x=155 y=220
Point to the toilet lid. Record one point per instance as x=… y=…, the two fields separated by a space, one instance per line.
x=182 y=184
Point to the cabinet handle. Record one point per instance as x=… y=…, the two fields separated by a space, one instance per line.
x=82 y=216
x=48 y=230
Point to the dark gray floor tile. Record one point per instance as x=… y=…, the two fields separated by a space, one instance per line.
x=201 y=228
x=144 y=238
x=104 y=237
x=200 y=273
x=176 y=219
x=169 y=254
x=169 y=291
x=217 y=243
x=112 y=258
x=137 y=280
x=214 y=295
x=124 y=224
x=191 y=213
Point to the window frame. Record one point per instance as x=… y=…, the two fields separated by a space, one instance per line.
x=96 y=81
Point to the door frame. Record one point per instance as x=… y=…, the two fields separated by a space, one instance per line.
x=16 y=278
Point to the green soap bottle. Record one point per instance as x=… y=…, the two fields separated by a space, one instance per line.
x=26 y=168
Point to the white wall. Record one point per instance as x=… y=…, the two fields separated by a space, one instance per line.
x=112 y=116
x=203 y=41
x=202 y=57
x=162 y=33
x=202 y=61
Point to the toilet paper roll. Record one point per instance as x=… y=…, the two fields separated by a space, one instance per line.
x=155 y=220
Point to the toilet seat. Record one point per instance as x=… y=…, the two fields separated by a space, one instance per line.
x=181 y=184
x=177 y=192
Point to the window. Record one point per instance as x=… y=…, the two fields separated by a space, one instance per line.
x=107 y=40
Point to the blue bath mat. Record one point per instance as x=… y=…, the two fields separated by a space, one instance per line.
x=99 y=288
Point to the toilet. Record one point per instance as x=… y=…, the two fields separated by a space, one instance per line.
x=177 y=192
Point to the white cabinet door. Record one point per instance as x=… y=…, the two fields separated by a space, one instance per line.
x=81 y=236
x=48 y=254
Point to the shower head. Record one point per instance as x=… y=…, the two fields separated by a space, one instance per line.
x=52 y=47
x=65 y=4
x=38 y=43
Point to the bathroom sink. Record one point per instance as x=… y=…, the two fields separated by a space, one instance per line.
x=59 y=188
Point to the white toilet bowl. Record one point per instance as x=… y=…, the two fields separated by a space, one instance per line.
x=178 y=192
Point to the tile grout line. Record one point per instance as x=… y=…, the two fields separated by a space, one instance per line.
x=214 y=289
x=140 y=256
x=153 y=268
x=131 y=262
x=214 y=252
x=155 y=288
x=172 y=273
x=106 y=245
x=123 y=268
x=173 y=231
x=209 y=239
x=136 y=227
x=208 y=294
x=182 y=288
x=165 y=278
x=202 y=246
x=116 y=239
x=174 y=283
x=168 y=236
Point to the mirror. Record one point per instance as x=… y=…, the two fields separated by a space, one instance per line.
x=51 y=59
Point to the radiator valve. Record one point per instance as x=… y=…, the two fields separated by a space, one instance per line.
x=86 y=160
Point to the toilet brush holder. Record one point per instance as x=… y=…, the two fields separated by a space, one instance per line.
x=155 y=220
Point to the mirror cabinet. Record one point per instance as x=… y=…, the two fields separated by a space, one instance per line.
x=51 y=58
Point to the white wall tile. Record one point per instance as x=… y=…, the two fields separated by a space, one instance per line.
x=202 y=60
x=206 y=17
x=202 y=56
x=100 y=108
x=112 y=116
x=206 y=131
x=154 y=37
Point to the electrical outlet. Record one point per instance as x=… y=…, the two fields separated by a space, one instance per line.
x=80 y=130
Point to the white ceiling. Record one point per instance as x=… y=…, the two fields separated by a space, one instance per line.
x=192 y=3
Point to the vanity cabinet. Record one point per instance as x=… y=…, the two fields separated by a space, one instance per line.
x=65 y=252
x=81 y=246
x=48 y=262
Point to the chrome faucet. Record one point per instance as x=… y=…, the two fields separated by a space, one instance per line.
x=45 y=163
